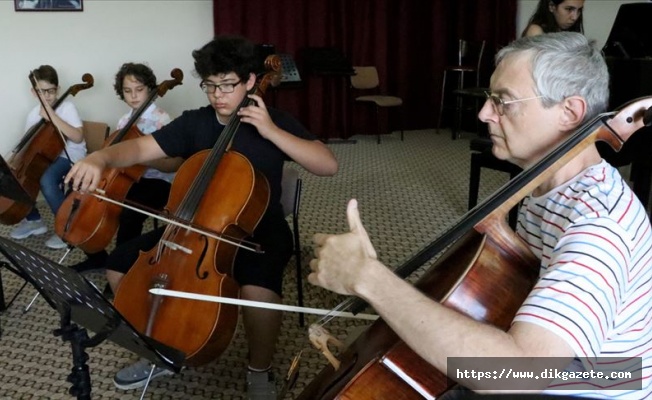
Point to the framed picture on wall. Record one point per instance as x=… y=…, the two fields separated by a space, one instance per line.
x=48 y=5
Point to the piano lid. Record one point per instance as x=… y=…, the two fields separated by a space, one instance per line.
x=630 y=35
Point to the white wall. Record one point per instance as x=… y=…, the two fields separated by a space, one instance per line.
x=161 y=33
x=599 y=16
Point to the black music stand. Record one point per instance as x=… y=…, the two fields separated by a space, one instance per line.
x=10 y=187
x=330 y=64
x=81 y=304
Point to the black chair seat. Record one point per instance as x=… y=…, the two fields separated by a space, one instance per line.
x=482 y=157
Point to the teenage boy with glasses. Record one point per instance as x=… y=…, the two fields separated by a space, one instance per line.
x=268 y=138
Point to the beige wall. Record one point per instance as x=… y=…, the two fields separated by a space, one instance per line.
x=98 y=40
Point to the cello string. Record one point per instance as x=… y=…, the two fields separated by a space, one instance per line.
x=260 y=304
x=164 y=217
x=344 y=305
x=255 y=249
x=190 y=203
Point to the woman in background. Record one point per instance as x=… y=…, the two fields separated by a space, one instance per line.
x=556 y=16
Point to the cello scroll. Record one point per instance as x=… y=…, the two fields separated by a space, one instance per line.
x=88 y=83
x=164 y=86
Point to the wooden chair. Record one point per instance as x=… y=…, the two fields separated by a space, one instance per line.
x=366 y=79
x=291 y=201
x=95 y=133
x=482 y=157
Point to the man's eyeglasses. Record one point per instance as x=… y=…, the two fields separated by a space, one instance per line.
x=499 y=104
x=50 y=91
x=210 y=88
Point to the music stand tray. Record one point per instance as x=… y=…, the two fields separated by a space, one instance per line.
x=10 y=187
x=80 y=303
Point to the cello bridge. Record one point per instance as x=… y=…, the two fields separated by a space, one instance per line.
x=320 y=338
x=175 y=246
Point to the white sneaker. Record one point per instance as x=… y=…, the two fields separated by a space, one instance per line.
x=26 y=228
x=55 y=242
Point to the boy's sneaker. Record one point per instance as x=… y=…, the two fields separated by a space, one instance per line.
x=135 y=375
x=261 y=385
x=26 y=228
x=55 y=242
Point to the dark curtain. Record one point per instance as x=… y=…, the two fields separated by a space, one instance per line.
x=409 y=41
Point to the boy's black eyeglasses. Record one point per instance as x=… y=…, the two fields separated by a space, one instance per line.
x=50 y=91
x=210 y=88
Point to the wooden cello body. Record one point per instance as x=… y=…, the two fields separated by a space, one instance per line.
x=38 y=148
x=90 y=223
x=233 y=203
x=221 y=191
x=486 y=274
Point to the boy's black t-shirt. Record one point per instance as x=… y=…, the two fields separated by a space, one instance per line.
x=199 y=129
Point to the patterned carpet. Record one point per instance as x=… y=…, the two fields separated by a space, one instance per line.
x=408 y=193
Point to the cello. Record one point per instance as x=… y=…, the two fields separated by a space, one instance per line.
x=481 y=252
x=188 y=261
x=88 y=222
x=37 y=149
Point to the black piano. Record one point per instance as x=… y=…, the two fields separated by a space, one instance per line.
x=628 y=53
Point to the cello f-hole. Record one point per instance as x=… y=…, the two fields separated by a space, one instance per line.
x=202 y=275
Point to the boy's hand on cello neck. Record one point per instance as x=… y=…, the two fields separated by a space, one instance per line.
x=257 y=115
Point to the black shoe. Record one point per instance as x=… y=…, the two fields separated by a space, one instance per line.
x=93 y=261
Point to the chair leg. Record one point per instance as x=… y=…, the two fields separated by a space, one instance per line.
x=401 y=119
x=457 y=124
x=512 y=217
x=441 y=101
x=378 y=122
x=3 y=306
x=474 y=179
x=297 y=256
x=297 y=248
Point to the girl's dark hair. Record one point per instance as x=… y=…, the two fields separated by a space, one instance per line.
x=45 y=73
x=141 y=72
x=544 y=18
x=225 y=54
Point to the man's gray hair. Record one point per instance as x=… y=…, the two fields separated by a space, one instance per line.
x=565 y=64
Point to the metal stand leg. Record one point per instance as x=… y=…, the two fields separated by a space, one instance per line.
x=2 y=297
x=3 y=306
x=149 y=379
x=80 y=376
x=28 y=306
